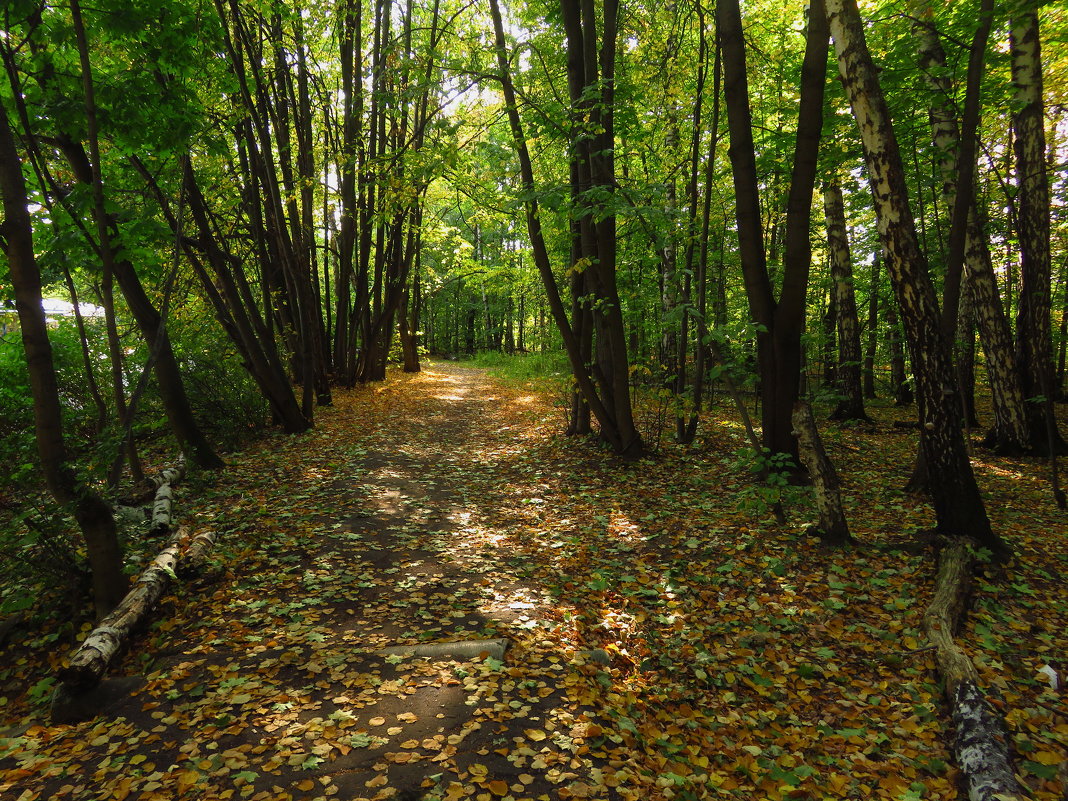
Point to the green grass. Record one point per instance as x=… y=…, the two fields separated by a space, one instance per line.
x=522 y=366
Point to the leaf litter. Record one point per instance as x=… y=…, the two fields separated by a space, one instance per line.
x=664 y=642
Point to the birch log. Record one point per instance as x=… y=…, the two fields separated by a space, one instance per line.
x=981 y=746
x=90 y=662
x=172 y=475
x=198 y=551
x=164 y=499
x=159 y=488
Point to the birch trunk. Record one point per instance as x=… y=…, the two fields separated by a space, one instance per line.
x=848 y=372
x=1034 y=357
x=1009 y=433
x=955 y=495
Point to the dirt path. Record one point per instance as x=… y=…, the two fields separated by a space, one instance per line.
x=737 y=657
x=266 y=678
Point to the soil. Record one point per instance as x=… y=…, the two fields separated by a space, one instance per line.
x=667 y=639
x=264 y=678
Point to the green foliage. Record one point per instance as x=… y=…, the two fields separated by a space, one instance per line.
x=17 y=445
x=16 y=415
x=523 y=366
x=770 y=488
x=37 y=558
x=225 y=400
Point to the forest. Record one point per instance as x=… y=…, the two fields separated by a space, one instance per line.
x=454 y=399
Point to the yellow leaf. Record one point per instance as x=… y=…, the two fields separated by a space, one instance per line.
x=1047 y=758
x=187 y=778
x=122 y=790
x=376 y=721
x=407 y=717
x=306 y=785
x=535 y=734
x=498 y=787
x=377 y=781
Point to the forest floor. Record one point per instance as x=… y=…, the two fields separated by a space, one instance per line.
x=667 y=639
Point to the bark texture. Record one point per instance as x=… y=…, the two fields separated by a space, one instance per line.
x=781 y=321
x=848 y=371
x=608 y=395
x=162 y=505
x=1034 y=354
x=955 y=148
x=955 y=495
x=91 y=512
x=981 y=743
x=89 y=663
x=832 y=527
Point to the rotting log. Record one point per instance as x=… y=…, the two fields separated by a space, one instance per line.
x=197 y=552
x=172 y=475
x=90 y=662
x=158 y=488
x=981 y=746
x=164 y=498
x=832 y=527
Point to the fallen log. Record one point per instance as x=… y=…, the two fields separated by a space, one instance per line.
x=158 y=489
x=832 y=527
x=146 y=488
x=197 y=552
x=981 y=745
x=90 y=662
x=164 y=498
x=172 y=475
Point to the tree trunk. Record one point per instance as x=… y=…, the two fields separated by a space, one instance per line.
x=899 y=379
x=1034 y=358
x=247 y=328
x=873 y=330
x=958 y=505
x=830 y=340
x=90 y=511
x=619 y=433
x=832 y=527
x=1009 y=433
x=409 y=321
x=591 y=65
x=701 y=279
x=782 y=322
x=964 y=354
x=851 y=404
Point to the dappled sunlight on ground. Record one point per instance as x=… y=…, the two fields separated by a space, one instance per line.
x=668 y=640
